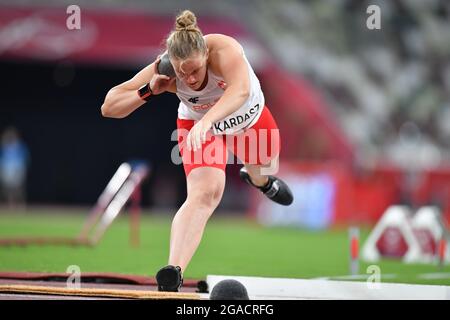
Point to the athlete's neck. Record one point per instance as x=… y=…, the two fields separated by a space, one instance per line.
x=205 y=82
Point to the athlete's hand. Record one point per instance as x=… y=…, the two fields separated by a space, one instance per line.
x=160 y=82
x=197 y=134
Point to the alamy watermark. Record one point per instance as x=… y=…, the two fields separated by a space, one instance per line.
x=374 y=280
x=256 y=147
x=73 y=21
x=74 y=280
x=374 y=20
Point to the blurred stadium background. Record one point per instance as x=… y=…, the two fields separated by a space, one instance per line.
x=364 y=118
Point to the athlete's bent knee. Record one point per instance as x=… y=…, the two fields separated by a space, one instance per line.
x=205 y=198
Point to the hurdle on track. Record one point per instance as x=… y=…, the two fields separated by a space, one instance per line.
x=124 y=186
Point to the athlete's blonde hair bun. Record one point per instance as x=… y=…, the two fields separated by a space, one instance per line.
x=186 y=20
x=187 y=38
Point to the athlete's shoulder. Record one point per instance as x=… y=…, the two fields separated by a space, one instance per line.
x=223 y=50
x=217 y=36
x=216 y=41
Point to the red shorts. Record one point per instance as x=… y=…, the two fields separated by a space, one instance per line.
x=256 y=145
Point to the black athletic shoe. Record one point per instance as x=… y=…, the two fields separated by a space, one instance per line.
x=275 y=189
x=169 y=279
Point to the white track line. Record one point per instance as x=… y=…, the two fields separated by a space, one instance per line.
x=356 y=277
x=280 y=288
x=434 y=276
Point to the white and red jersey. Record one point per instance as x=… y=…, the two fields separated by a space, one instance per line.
x=194 y=104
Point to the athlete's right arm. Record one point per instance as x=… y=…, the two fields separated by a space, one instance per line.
x=123 y=99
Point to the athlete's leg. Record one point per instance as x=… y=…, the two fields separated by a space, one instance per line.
x=205 y=187
x=259 y=173
x=205 y=178
x=258 y=148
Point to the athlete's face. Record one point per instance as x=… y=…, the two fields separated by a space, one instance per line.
x=192 y=71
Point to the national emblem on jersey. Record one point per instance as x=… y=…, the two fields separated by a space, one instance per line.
x=222 y=84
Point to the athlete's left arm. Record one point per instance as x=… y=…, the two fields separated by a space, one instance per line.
x=230 y=63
